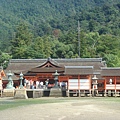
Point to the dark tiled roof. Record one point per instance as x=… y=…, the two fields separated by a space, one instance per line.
x=96 y=63
x=73 y=66
x=18 y=65
x=110 y=71
x=78 y=70
x=46 y=70
x=50 y=62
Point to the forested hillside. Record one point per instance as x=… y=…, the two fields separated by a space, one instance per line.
x=43 y=28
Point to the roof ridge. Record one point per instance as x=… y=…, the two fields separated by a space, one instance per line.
x=56 y=60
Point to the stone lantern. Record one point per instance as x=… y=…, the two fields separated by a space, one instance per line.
x=55 y=91
x=94 y=85
x=21 y=79
x=56 y=74
x=10 y=81
x=21 y=93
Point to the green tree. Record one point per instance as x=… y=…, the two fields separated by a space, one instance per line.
x=4 y=59
x=38 y=46
x=47 y=46
x=107 y=44
x=112 y=60
x=91 y=44
x=23 y=39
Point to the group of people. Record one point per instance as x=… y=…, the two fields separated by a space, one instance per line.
x=30 y=84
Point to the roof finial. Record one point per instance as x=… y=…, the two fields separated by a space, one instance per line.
x=49 y=58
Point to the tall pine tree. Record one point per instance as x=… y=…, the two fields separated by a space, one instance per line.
x=23 y=39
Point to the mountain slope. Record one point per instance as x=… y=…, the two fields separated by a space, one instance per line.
x=42 y=13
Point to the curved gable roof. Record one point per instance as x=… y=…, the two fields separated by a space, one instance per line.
x=50 y=63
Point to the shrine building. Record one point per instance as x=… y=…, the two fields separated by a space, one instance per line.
x=81 y=75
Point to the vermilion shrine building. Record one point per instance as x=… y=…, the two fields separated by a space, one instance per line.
x=82 y=75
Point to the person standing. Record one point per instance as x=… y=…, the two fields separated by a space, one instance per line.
x=63 y=85
x=46 y=83
x=25 y=82
x=41 y=84
x=31 y=84
x=28 y=84
x=37 y=84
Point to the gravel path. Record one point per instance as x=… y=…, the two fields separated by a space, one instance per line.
x=83 y=109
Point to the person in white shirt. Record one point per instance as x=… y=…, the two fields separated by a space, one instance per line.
x=37 y=84
x=41 y=84
x=46 y=83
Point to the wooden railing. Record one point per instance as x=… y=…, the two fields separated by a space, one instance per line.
x=112 y=86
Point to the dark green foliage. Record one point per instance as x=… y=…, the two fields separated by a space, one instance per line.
x=4 y=60
x=23 y=39
x=49 y=28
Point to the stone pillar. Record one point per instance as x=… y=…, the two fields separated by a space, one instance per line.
x=21 y=79
x=90 y=92
x=115 y=94
x=105 y=93
x=68 y=93
x=79 y=93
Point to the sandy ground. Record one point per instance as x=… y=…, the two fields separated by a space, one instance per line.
x=84 y=109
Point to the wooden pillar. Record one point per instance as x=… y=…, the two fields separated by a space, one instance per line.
x=90 y=82
x=68 y=83
x=79 y=85
x=68 y=93
x=115 y=86
x=68 y=88
x=105 y=87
